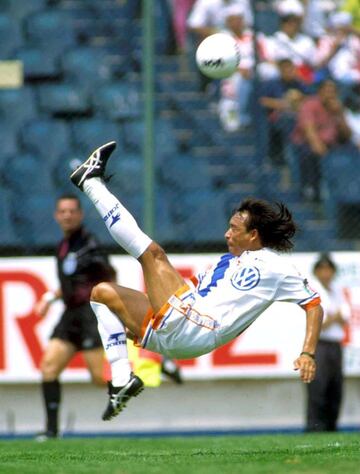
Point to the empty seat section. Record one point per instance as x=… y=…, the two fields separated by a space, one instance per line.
x=47 y=138
x=118 y=101
x=87 y=66
x=17 y=105
x=10 y=36
x=51 y=29
x=89 y=134
x=60 y=99
x=38 y=63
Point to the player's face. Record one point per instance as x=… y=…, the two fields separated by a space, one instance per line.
x=68 y=215
x=238 y=238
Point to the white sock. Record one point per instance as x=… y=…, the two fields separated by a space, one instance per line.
x=113 y=337
x=120 y=223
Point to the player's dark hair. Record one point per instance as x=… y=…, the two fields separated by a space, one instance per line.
x=69 y=196
x=273 y=222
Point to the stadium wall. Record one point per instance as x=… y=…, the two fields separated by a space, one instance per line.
x=246 y=385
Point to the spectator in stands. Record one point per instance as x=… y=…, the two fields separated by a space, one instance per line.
x=325 y=392
x=180 y=11
x=352 y=114
x=320 y=126
x=236 y=91
x=340 y=49
x=290 y=42
x=207 y=17
x=316 y=15
x=281 y=98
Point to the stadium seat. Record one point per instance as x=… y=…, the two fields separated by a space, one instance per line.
x=89 y=134
x=86 y=66
x=34 y=220
x=21 y=9
x=165 y=139
x=10 y=36
x=8 y=140
x=128 y=173
x=17 y=105
x=39 y=63
x=63 y=99
x=27 y=174
x=185 y=173
x=118 y=101
x=51 y=29
x=47 y=138
x=8 y=235
x=202 y=216
x=61 y=170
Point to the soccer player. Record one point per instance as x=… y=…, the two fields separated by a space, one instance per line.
x=181 y=320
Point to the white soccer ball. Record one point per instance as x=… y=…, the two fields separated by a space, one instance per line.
x=217 y=56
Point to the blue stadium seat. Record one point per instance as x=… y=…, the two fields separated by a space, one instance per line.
x=10 y=36
x=89 y=134
x=17 y=105
x=47 y=138
x=8 y=235
x=21 y=9
x=27 y=174
x=185 y=173
x=39 y=63
x=202 y=216
x=8 y=140
x=87 y=66
x=165 y=139
x=34 y=220
x=128 y=173
x=60 y=99
x=51 y=29
x=118 y=101
x=61 y=170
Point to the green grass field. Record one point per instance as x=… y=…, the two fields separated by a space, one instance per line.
x=270 y=454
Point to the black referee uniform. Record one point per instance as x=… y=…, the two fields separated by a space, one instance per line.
x=81 y=264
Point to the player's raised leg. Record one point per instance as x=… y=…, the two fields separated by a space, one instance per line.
x=161 y=279
x=117 y=308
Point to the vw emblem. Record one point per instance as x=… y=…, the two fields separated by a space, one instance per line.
x=245 y=278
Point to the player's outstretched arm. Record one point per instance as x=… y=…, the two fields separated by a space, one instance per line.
x=305 y=363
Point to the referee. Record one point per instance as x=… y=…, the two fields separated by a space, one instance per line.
x=81 y=264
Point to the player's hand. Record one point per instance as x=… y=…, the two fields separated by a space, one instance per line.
x=307 y=367
x=42 y=307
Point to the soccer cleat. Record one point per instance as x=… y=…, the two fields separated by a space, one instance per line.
x=119 y=396
x=94 y=166
x=45 y=436
x=171 y=370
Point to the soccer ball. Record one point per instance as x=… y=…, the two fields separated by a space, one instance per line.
x=217 y=56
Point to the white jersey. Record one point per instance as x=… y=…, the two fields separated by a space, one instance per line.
x=239 y=289
x=226 y=300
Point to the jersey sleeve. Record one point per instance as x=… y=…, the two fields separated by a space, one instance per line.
x=296 y=289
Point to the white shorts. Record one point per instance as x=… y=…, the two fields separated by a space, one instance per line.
x=182 y=329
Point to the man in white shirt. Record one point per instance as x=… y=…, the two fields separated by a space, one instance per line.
x=186 y=320
x=208 y=16
x=289 y=42
x=325 y=392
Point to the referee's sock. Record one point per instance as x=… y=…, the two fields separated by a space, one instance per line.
x=113 y=337
x=52 y=395
x=120 y=223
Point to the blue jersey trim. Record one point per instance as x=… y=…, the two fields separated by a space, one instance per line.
x=218 y=273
